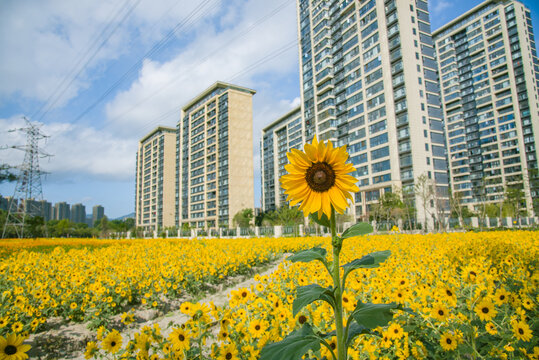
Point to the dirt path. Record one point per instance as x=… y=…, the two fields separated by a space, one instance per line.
x=68 y=342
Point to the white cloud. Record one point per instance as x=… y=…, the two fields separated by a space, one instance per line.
x=42 y=41
x=437 y=7
x=77 y=151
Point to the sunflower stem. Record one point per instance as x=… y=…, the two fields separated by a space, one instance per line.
x=337 y=243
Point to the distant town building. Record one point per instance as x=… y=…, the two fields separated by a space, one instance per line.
x=277 y=139
x=62 y=211
x=45 y=210
x=214 y=169
x=78 y=213
x=98 y=212
x=489 y=75
x=155 y=181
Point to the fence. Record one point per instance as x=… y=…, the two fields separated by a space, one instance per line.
x=448 y=224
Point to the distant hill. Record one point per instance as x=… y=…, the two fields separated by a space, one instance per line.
x=131 y=215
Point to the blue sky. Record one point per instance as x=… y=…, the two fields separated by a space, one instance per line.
x=99 y=75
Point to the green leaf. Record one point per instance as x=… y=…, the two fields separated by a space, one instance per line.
x=293 y=347
x=315 y=253
x=355 y=330
x=309 y=293
x=374 y=315
x=369 y=261
x=324 y=220
x=358 y=229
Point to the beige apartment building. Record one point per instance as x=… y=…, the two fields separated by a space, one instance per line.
x=155 y=185
x=214 y=157
x=489 y=76
x=368 y=81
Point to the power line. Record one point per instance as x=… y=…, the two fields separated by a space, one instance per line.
x=207 y=57
x=156 y=48
x=92 y=50
x=256 y=64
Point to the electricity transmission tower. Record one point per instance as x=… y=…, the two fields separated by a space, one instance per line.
x=28 y=189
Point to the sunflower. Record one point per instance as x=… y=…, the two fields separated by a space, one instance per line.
x=17 y=327
x=4 y=321
x=395 y=331
x=448 y=341
x=12 y=348
x=501 y=296
x=228 y=352
x=326 y=352
x=113 y=342
x=491 y=328
x=522 y=331
x=257 y=328
x=317 y=178
x=439 y=312
x=179 y=339
x=485 y=310
x=91 y=349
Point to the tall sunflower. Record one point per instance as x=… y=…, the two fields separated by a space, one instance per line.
x=113 y=342
x=318 y=178
x=12 y=348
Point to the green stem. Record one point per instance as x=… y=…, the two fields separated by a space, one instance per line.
x=337 y=243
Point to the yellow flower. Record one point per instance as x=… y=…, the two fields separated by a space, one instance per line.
x=91 y=348
x=440 y=312
x=113 y=342
x=73 y=306
x=448 y=341
x=521 y=330
x=257 y=328
x=317 y=178
x=395 y=331
x=17 y=327
x=12 y=348
x=491 y=328
x=180 y=339
x=485 y=310
x=228 y=352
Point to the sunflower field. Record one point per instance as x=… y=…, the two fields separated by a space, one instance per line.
x=470 y=296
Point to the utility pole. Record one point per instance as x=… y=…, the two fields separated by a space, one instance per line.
x=28 y=189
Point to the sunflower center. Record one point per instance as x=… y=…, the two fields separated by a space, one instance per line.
x=448 y=341
x=302 y=319
x=520 y=331
x=320 y=177
x=10 y=350
x=181 y=337
x=257 y=327
x=113 y=344
x=228 y=356
x=441 y=312
x=485 y=310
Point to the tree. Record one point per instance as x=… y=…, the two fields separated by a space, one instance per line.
x=243 y=218
x=6 y=174
x=514 y=198
x=424 y=189
x=289 y=216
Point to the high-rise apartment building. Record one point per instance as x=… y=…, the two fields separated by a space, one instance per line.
x=489 y=75
x=62 y=211
x=78 y=213
x=98 y=212
x=46 y=210
x=368 y=80
x=277 y=139
x=214 y=159
x=156 y=168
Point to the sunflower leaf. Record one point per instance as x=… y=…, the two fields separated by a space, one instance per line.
x=324 y=220
x=316 y=253
x=355 y=330
x=358 y=229
x=374 y=315
x=292 y=347
x=368 y=261
x=309 y=293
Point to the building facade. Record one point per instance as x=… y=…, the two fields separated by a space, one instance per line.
x=156 y=164
x=277 y=139
x=368 y=80
x=78 y=213
x=98 y=212
x=489 y=75
x=62 y=210
x=214 y=157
